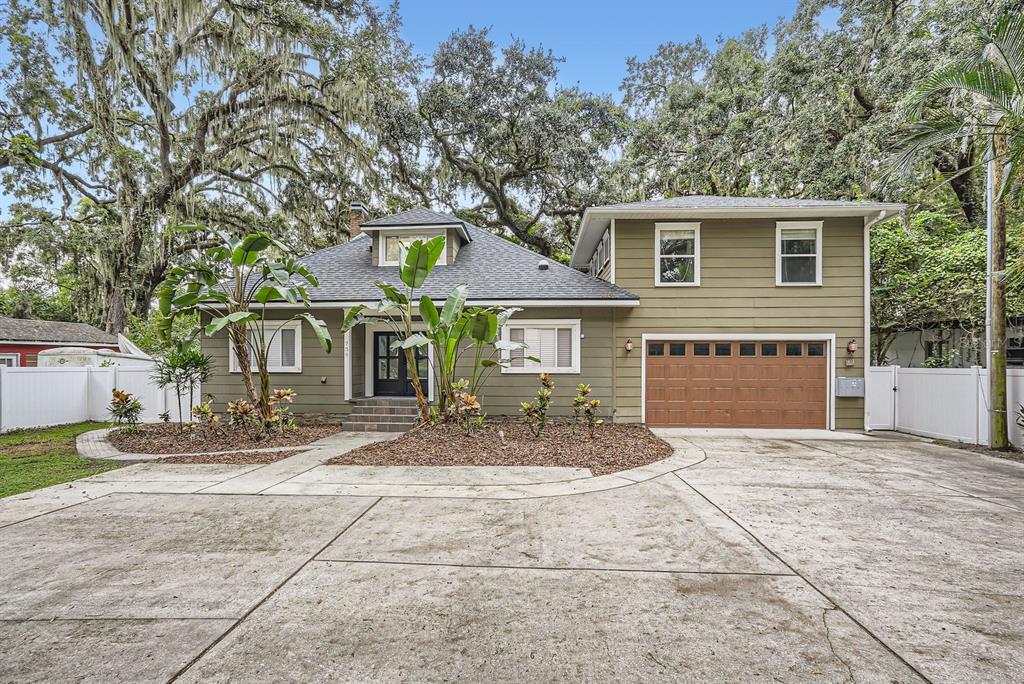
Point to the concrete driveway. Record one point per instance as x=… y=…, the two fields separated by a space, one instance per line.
x=742 y=559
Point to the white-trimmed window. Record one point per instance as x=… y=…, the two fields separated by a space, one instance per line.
x=10 y=360
x=677 y=254
x=391 y=244
x=555 y=342
x=285 y=354
x=798 y=253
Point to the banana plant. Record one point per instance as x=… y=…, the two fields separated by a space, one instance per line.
x=446 y=330
x=233 y=282
x=396 y=308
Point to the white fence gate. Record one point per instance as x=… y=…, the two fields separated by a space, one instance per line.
x=943 y=403
x=37 y=397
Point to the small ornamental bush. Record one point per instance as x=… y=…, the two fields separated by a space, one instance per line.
x=242 y=414
x=585 y=410
x=535 y=413
x=125 y=409
x=465 y=407
x=281 y=417
x=206 y=419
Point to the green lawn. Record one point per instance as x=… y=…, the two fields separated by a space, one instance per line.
x=30 y=459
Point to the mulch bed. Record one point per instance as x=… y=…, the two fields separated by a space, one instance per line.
x=234 y=458
x=168 y=438
x=614 y=447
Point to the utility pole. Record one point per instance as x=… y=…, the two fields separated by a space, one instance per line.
x=998 y=428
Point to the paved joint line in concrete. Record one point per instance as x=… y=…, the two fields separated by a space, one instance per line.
x=245 y=472
x=959 y=492
x=273 y=591
x=61 y=508
x=555 y=568
x=813 y=586
x=315 y=465
x=975 y=496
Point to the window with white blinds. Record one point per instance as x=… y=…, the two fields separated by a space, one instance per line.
x=285 y=355
x=556 y=343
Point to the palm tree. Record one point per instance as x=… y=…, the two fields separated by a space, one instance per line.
x=982 y=98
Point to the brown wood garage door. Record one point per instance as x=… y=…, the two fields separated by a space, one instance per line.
x=737 y=384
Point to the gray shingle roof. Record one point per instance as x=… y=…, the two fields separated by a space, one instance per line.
x=417 y=216
x=492 y=267
x=26 y=330
x=715 y=202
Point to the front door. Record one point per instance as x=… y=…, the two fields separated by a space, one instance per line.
x=391 y=371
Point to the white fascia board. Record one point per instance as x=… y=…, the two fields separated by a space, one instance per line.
x=430 y=226
x=470 y=302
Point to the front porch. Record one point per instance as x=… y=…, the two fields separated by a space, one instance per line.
x=373 y=370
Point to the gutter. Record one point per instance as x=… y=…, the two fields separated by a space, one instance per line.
x=341 y=304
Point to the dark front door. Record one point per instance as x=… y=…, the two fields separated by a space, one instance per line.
x=391 y=371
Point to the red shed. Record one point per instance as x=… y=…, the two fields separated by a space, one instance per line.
x=21 y=339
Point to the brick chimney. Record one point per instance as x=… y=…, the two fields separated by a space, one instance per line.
x=357 y=214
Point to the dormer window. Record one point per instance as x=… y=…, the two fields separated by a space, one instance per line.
x=393 y=242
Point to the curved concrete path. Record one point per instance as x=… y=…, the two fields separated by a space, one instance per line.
x=305 y=473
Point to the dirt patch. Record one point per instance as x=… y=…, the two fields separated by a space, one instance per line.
x=168 y=438
x=234 y=458
x=510 y=443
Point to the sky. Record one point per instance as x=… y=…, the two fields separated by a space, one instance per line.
x=595 y=37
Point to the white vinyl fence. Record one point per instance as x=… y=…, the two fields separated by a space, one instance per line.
x=36 y=397
x=943 y=403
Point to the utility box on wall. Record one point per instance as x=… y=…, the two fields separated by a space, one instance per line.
x=849 y=387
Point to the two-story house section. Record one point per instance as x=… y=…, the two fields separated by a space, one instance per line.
x=753 y=311
x=691 y=312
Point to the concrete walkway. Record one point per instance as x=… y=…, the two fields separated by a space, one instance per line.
x=739 y=559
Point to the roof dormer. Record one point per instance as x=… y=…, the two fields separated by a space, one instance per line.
x=391 y=233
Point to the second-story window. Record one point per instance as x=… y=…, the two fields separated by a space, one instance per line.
x=677 y=254
x=798 y=253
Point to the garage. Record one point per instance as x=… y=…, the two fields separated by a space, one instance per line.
x=736 y=383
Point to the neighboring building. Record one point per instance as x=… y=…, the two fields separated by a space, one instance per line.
x=22 y=339
x=950 y=345
x=704 y=311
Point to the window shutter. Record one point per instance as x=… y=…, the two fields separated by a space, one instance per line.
x=564 y=359
x=517 y=357
x=546 y=350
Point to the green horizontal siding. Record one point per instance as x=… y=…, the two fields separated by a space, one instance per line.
x=312 y=395
x=738 y=295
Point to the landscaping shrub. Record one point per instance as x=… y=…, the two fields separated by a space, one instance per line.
x=125 y=409
x=465 y=407
x=535 y=413
x=585 y=410
x=185 y=368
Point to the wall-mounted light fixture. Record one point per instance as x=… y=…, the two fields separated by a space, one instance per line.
x=629 y=344
x=851 y=346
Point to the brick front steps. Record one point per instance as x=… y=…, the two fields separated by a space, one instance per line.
x=382 y=414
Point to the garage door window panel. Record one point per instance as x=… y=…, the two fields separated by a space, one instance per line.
x=677 y=254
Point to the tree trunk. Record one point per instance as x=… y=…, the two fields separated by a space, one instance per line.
x=116 y=317
x=414 y=376
x=240 y=344
x=998 y=437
